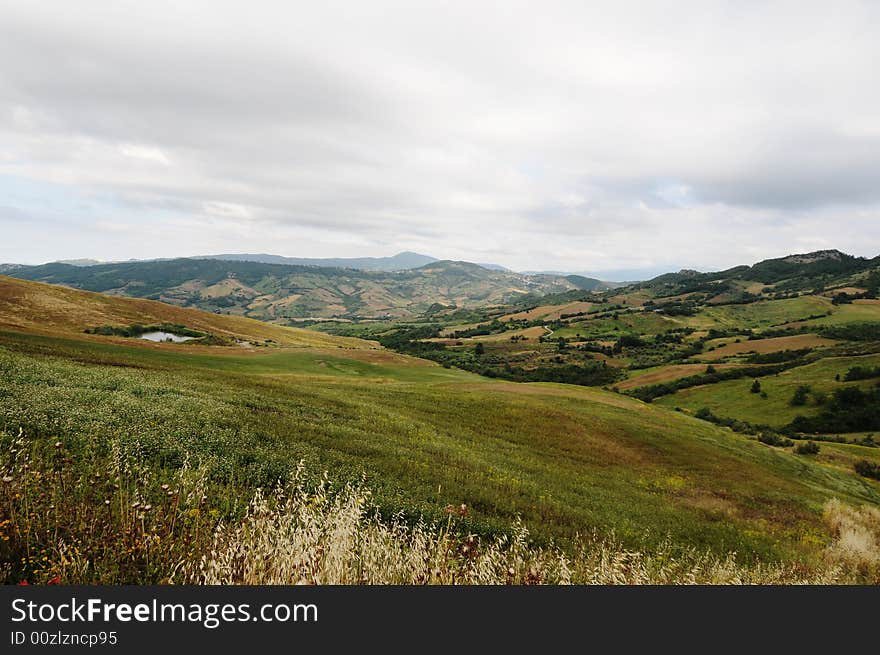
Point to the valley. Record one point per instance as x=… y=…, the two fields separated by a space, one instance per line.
x=629 y=413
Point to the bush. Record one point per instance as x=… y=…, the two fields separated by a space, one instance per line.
x=808 y=448
x=862 y=373
x=849 y=410
x=867 y=469
x=800 y=396
x=774 y=439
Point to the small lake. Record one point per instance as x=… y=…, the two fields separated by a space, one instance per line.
x=161 y=337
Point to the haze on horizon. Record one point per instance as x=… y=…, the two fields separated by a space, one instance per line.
x=599 y=137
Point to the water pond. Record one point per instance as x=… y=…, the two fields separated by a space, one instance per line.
x=164 y=337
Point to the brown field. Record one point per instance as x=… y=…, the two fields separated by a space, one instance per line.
x=635 y=298
x=772 y=345
x=50 y=309
x=445 y=332
x=673 y=372
x=549 y=312
x=756 y=287
x=867 y=301
x=849 y=290
x=681 y=296
x=611 y=361
x=533 y=333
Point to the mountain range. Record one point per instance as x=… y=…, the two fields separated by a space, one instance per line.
x=280 y=291
x=400 y=262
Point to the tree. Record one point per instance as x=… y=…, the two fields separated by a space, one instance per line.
x=809 y=448
x=800 y=396
x=756 y=387
x=479 y=349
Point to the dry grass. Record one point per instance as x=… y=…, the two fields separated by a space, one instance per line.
x=772 y=345
x=51 y=309
x=856 y=542
x=549 y=312
x=667 y=373
x=124 y=523
x=295 y=536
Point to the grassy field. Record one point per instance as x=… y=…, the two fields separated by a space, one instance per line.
x=857 y=312
x=48 y=309
x=731 y=347
x=565 y=459
x=657 y=374
x=549 y=312
x=762 y=314
x=122 y=457
x=733 y=399
x=647 y=323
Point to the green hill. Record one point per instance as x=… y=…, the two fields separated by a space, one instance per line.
x=279 y=292
x=139 y=424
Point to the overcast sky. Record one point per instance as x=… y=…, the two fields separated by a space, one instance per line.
x=600 y=137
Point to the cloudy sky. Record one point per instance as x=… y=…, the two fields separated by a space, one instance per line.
x=604 y=137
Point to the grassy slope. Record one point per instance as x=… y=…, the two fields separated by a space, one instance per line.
x=665 y=373
x=566 y=459
x=279 y=292
x=49 y=309
x=733 y=399
x=730 y=346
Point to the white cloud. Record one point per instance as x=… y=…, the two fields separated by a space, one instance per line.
x=144 y=152
x=587 y=136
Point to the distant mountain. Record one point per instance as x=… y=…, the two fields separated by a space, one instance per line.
x=8 y=267
x=587 y=280
x=81 y=262
x=271 y=291
x=495 y=267
x=402 y=261
x=792 y=273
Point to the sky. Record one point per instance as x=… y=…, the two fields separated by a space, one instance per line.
x=607 y=137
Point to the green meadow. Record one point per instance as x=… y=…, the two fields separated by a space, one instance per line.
x=733 y=398
x=566 y=460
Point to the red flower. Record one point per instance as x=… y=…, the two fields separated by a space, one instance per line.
x=24 y=583
x=55 y=580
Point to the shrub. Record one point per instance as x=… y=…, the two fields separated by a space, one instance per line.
x=808 y=448
x=800 y=396
x=867 y=469
x=862 y=373
x=775 y=439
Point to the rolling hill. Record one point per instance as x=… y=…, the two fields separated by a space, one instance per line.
x=279 y=292
x=48 y=309
x=400 y=262
x=792 y=273
x=568 y=460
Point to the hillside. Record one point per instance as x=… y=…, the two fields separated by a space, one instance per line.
x=48 y=309
x=566 y=459
x=784 y=350
x=771 y=277
x=399 y=262
x=279 y=292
